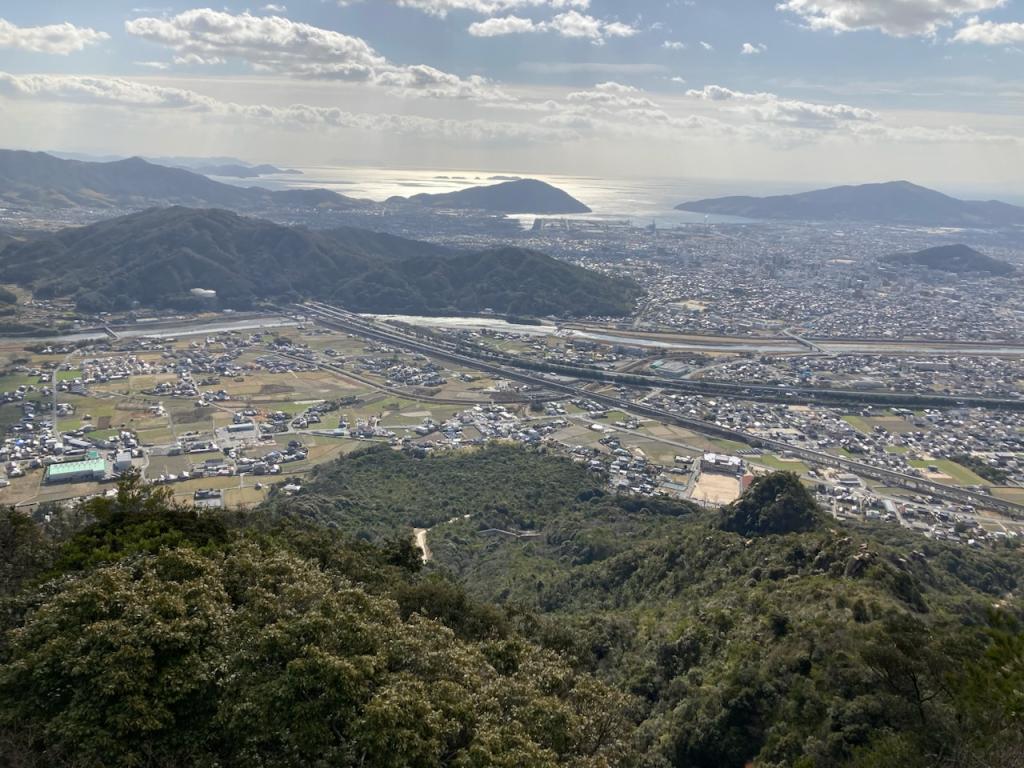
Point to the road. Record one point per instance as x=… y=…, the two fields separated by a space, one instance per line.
x=343 y=320
x=421 y=542
x=793 y=395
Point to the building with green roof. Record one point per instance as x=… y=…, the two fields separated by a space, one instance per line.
x=94 y=468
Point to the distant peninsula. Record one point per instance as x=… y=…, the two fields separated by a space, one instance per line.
x=240 y=171
x=520 y=196
x=37 y=179
x=954 y=259
x=188 y=258
x=891 y=203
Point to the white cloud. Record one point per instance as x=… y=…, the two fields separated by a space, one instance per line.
x=576 y=24
x=101 y=90
x=673 y=45
x=60 y=39
x=613 y=95
x=706 y=46
x=752 y=49
x=592 y=67
x=120 y=92
x=571 y=24
x=770 y=108
x=278 y=45
x=488 y=7
x=899 y=18
x=607 y=111
x=916 y=134
x=505 y=25
x=990 y=32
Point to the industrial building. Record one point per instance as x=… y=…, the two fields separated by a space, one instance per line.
x=91 y=469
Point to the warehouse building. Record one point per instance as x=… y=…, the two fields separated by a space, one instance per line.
x=93 y=468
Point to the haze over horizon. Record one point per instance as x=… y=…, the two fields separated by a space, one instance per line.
x=846 y=91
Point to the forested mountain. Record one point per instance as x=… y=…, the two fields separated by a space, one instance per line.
x=159 y=256
x=38 y=179
x=896 y=202
x=956 y=259
x=621 y=632
x=519 y=196
x=761 y=634
x=157 y=636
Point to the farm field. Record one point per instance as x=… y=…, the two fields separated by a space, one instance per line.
x=949 y=472
x=889 y=422
x=1010 y=493
x=783 y=465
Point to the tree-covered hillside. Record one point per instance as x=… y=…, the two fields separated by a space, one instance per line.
x=765 y=632
x=158 y=257
x=155 y=638
x=556 y=624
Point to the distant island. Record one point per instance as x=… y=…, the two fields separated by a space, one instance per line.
x=193 y=258
x=955 y=259
x=893 y=203
x=243 y=171
x=30 y=179
x=520 y=196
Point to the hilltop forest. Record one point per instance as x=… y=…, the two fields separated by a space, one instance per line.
x=556 y=625
x=158 y=257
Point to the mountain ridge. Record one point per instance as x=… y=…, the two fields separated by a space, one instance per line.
x=160 y=256
x=894 y=202
x=514 y=197
x=38 y=178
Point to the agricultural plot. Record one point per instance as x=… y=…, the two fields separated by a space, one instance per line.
x=13 y=381
x=729 y=446
x=655 y=451
x=21 y=489
x=782 y=465
x=577 y=434
x=949 y=472
x=888 y=422
x=1009 y=493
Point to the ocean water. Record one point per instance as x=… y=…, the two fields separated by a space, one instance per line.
x=639 y=200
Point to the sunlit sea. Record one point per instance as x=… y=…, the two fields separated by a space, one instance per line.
x=639 y=200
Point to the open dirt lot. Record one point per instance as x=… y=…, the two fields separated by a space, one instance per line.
x=716 y=489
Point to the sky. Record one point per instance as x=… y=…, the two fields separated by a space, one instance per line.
x=801 y=91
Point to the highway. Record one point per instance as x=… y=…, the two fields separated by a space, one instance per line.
x=339 y=319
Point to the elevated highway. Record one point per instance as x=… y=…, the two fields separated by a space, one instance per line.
x=339 y=319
